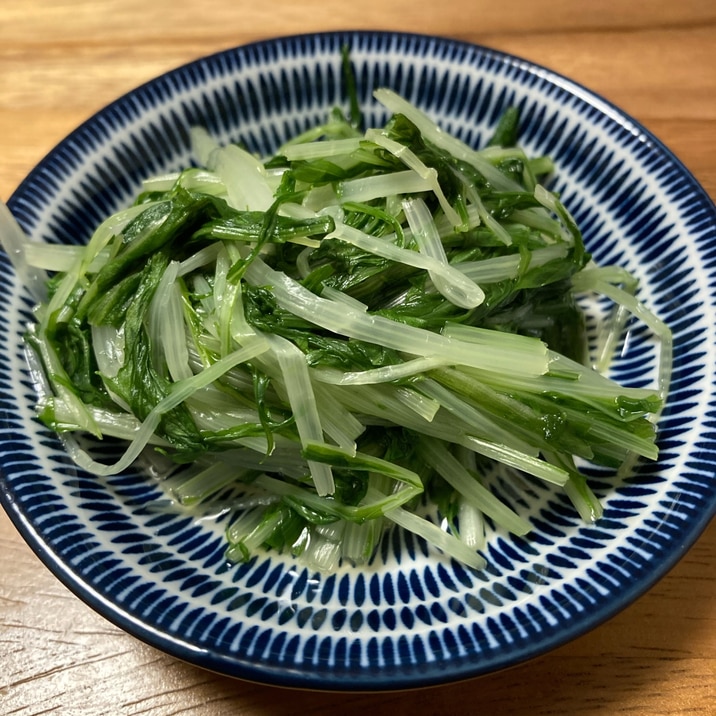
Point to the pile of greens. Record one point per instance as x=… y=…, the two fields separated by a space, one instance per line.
x=345 y=336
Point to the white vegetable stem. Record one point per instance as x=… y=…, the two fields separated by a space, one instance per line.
x=410 y=159
x=450 y=281
x=179 y=393
x=430 y=131
x=452 y=284
x=297 y=382
x=342 y=319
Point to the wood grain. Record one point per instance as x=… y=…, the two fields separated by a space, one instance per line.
x=62 y=61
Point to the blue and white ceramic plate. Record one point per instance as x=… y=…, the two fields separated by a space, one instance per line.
x=413 y=617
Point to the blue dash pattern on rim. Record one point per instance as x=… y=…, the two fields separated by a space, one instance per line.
x=412 y=617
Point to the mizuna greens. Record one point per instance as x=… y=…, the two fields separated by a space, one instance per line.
x=345 y=336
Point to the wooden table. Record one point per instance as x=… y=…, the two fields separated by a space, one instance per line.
x=62 y=61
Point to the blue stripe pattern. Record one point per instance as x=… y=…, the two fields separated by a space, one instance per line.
x=412 y=617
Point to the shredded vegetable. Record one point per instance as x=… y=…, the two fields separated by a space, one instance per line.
x=342 y=338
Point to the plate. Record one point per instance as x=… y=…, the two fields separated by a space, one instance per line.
x=413 y=617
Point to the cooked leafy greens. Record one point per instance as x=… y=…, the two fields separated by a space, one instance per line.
x=346 y=335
